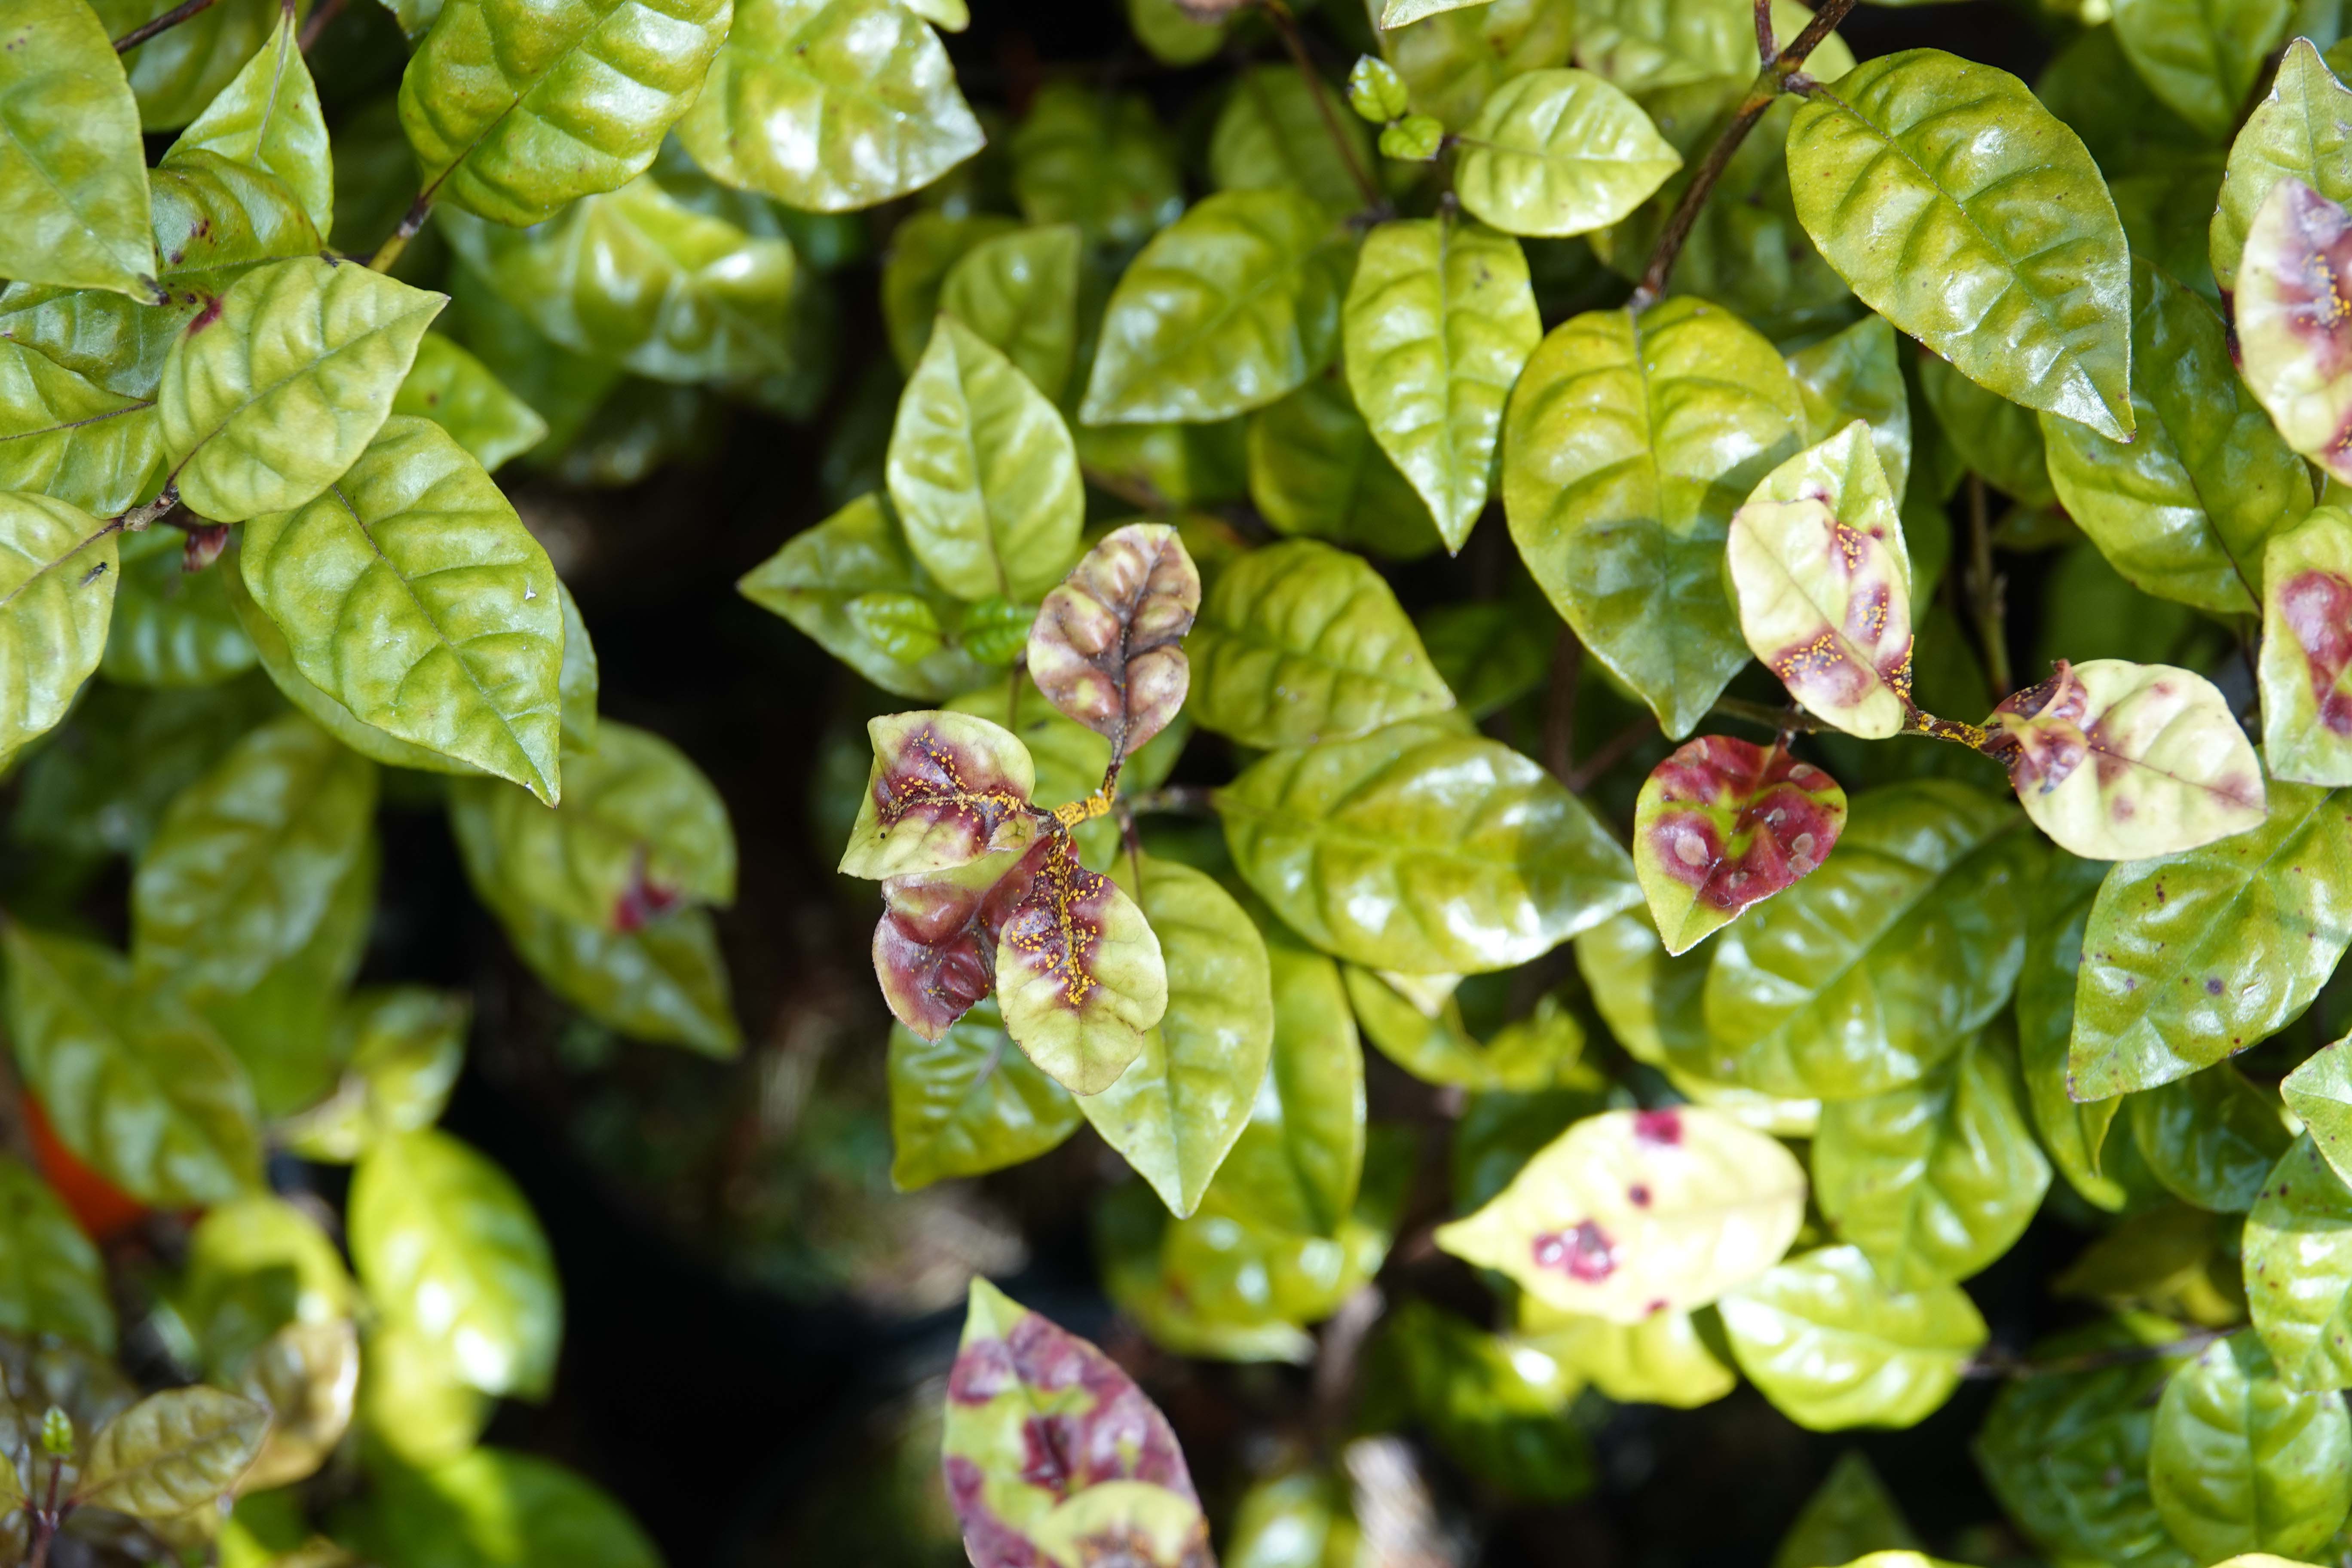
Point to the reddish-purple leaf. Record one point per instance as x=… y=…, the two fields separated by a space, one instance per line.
x=2294 y=321
x=935 y=946
x=1722 y=824
x=945 y=789
x=1078 y=969
x=1105 y=647
x=2307 y=658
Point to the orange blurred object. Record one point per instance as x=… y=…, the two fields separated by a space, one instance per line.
x=103 y=1209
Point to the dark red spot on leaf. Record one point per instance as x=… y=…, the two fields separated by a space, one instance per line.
x=2317 y=608
x=1788 y=815
x=1659 y=1127
x=1584 y=1254
x=1639 y=1195
x=206 y=317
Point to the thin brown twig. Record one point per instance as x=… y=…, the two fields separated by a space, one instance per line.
x=163 y=23
x=1613 y=752
x=1287 y=24
x=325 y=12
x=2001 y=1364
x=1559 y=707
x=1766 y=49
x=411 y=221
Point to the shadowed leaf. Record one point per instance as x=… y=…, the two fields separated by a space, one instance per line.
x=1105 y=648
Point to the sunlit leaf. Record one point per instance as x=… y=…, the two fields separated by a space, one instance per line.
x=68 y=437
x=1641 y=44
x=401 y=1047
x=2240 y=1462
x=268 y=116
x=2303 y=127
x=1832 y=1347
x=171 y=1452
x=1662 y=1360
x=56 y=600
x=2290 y=315
x=1724 y=823
x=75 y=208
x=2299 y=1267
x=1018 y=293
x=1560 y=152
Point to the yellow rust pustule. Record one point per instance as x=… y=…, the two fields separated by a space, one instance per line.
x=1074 y=812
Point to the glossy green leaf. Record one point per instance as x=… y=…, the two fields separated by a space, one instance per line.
x=172 y=627
x=1662 y=1360
x=401 y=1047
x=1423 y=850
x=1639 y=43
x=455 y=391
x=2303 y=127
x=923 y=250
x=982 y=472
x=1300 y=1160
x=1451 y=61
x=270 y=117
x=1018 y=293
x=829 y=105
x=179 y=71
x=1489 y=653
x=1627 y=446
x=2240 y=1462
x=1935 y=1180
x=665 y=981
x=254 y=1267
x=2183 y=508
x=1299 y=644
x=1868 y=972
x=464 y=651
x=636 y=276
x=1173 y=35
x=2202 y=59
x=2193 y=957
x=2299 y=1267
x=1417 y=138
x=2210 y=1138
x=171 y=1453
x=1989 y=235
x=2000 y=441
x=1439 y=320
x=75 y=208
x=136 y=1085
x=1832 y=1347
x=490 y=1508
x=446 y=1245
x=1560 y=152
x=1416 y=1023
x=2057 y=915
x=1375 y=91
x=1721 y=824
x=52 y=1280
x=1272 y=135
x=69 y=438
x=1852 y=1514
x=1099 y=160
x=970 y=1102
x=1629 y=1212
x=515 y=112
x=1223 y=311
x=1176 y=1110
x=1856 y=373
x=56 y=600
x=1492 y=1404
x=279 y=392
x=1315 y=469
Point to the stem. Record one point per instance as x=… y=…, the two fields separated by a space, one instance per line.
x=1790 y=720
x=413 y=219
x=1985 y=592
x=1559 y=707
x=1613 y=752
x=139 y=518
x=1287 y=25
x=163 y=23
x=325 y=12
x=1766 y=49
x=2001 y=1364
x=1915 y=722
x=1770 y=83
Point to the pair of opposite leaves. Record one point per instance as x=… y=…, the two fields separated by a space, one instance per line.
x=981 y=888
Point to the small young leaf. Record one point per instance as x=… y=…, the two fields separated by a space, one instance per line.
x=73 y=181
x=1832 y=1347
x=455 y=391
x=1106 y=646
x=2117 y=760
x=1415 y=139
x=2293 y=337
x=1560 y=152
x=1375 y=91
x=1662 y=1360
x=970 y=1102
x=172 y=1453
x=1080 y=975
x=56 y=601
x=945 y=789
x=1722 y=824
x=2303 y=127
x=270 y=117
x=1634 y=1211
x=2240 y=1462
x=1850 y=1515
x=1454 y=60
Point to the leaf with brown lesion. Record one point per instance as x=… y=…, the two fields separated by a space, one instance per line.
x=945 y=789
x=1077 y=967
x=2307 y=653
x=1723 y=824
x=935 y=946
x=1105 y=648
x=2293 y=308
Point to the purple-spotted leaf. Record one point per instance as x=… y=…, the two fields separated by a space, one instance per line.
x=1131 y=1524
x=2306 y=659
x=2116 y=760
x=1823 y=583
x=935 y=946
x=1077 y=969
x=945 y=789
x=1035 y=1417
x=2294 y=321
x=1722 y=824
x=1634 y=1211
x=1105 y=645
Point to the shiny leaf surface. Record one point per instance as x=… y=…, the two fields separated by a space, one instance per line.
x=171 y=1452
x=74 y=174
x=1560 y=152
x=1833 y=1348
x=1724 y=823
x=270 y=117
x=2240 y=1462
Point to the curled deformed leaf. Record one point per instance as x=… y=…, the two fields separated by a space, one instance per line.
x=945 y=789
x=2116 y=760
x=1105 y=645
x=935 y=946
x=1635 y=1212
x=1823 y=580
x=2294 y=340
x=171 y=1452
x=1078 y=971
x=1723 y=823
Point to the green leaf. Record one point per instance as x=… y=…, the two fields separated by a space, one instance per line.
x=1641 y=44
x=1936 y=1180
x=1099 y=160
x=1176 y=1110
x=446 y=1245
x=1856 y=373
x=1721 y=824
x=1832 y=1347
x=2210 y=1138
x=1417 y=139
x=171 y=1453
x=2298 y=1266
x=464 y=649
x=982 y=472
x=1868 y=972
x=1632 y=1212
x=455 y=391
x=1375 y=91
x=1416 y=1023
x=2303 y=127
x=1018 y=293
x=1297 y=1164
x=1493 y=1406
x=2240 y=1462
x=2202 y=59
x=254 y=1267
x=1172 y=33
x=74 y=211
x=2184 y=508
x=2319 y=1092
x=52 y=1280
x=1223 y=311
x=923 y=250
x=829 y=105
x=2193 y=957
x=1438 y=323
x=1851 y=1515
x=1986 y=233
x=637 y=277
x=1421 y=849
x=401 y=1047
x=1627 y=446
x=280 y=389
x=270 y=117
x=136 y=1085
x=2166 y=1258
x=1662 y=1360
x=1560 y=152
x=665 y=981
x=68 y=437
x=1299 y=644
x=241 y=870
x=56 y=599
x=1999 y=440
x=970 y=1102
x=1315 y=469
x=513 y=113
x=1273 y=134
x=1452 y=60
x=1489 y=653
x=487 y=1508
x=172 y=627
x=1105 y=649
x=2055 y=917
x=181 y=70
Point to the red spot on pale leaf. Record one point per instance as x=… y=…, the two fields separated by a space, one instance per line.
x=1584 y=1254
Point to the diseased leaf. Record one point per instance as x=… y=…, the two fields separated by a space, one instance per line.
x=1971 y=218
x=2298 y=1266
x=64 y=435
x=1628 y=444
x=56 y=601
x=2303 y=127
x=52 y=1280
x=1853 y=374
x=2193 y=957
x=172 y=627
x=270 y=117
x=1272 y=135
x=1315 y=469
x=2202 y=59
x=2210 y=1138
x=1150 y=1526
x=1632 y=1212
x=1833 y=1348
x=455 y=391
x=1105 y=648
x=1722 y=824
x=1298 y=642
x=1423 y=850
x=2239 y=1462
x=828 y=105
x=1071 y=759
x=1438 y=322
x=1018 y=293
x=1560 y=152
x=935 y=946
x=2118 y=761
x=1080 y=972
x=2056 y=914
x=945 y=789
x=1223 y=311
x=2306 y=648
x=73 y=182
x=171 y=1452
x=2290 y=310
x=462 y=653
x=970 y=1102
x=1097 y=160
x=270 y=397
